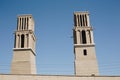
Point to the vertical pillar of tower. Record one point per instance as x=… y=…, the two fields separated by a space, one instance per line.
x=23 y=61
x=26 y=23
x=21 y=24
x=30 y=43
x=16 y=42
x=92 y=38
x=88 y=37
x=17 y=23
x=78 y=38
x=88 y=20
x=27 y=40
x=84 y=49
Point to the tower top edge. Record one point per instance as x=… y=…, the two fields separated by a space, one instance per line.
x=81 y=12
x=24 y=15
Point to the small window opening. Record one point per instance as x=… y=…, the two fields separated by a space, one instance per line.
x=85 y=52
x=84 y=37
x=78 y=20
x=22 y=41
x=15 y=41
x=75 y=22
x=75 y=37
x=81 y=21
x=86 y=20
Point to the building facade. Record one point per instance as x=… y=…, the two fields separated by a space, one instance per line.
x=23 y=65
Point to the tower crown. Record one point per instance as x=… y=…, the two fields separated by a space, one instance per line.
x=25 y=22
x=81 y=19
x=83 y=33
x=24 y=35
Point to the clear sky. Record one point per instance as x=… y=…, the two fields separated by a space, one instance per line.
x=53 y=30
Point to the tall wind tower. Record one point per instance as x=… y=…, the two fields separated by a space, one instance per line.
x=84 y=47
x=23 y=61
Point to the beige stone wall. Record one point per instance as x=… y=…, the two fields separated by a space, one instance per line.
x=85 y=65
x=23 y=62
x=43 y=77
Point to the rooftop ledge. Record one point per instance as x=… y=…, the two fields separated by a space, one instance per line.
x=84 y=45
x=24 y=49
x=62 y=75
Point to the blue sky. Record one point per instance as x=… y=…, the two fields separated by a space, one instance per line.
x=53 y=30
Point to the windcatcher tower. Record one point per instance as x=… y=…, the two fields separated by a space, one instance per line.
x=24 y=46
x=84 y=47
